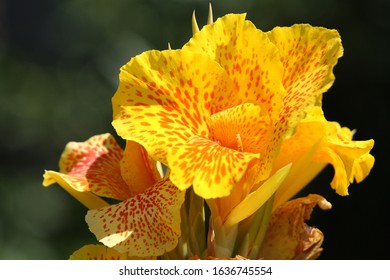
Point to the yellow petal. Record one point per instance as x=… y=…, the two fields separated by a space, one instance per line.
x=362 y=167
x=88 y=199
x=166 y=97
x=138 y=170
x=303 y=170
x=97 y=252
x=257 y=198
x=212 y=169
x=350 y=159
x=300 y=150
x=308 y=55
x=93 y=165
x=317 y=143
x=147 y=224
x=288 y=237
x=248 y=57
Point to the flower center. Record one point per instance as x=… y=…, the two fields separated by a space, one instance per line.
x=225 y=131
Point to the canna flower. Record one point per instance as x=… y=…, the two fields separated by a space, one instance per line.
x=146 y=220
x=236 y=113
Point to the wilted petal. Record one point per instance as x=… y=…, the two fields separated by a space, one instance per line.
x=288 y=237
x=147 y=224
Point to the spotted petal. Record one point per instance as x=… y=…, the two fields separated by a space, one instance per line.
x=147 y=224
x=248 y=57
x=165 y=97
x=212 y=169
x=97 y=252
x=308 y=55
x=92 y=166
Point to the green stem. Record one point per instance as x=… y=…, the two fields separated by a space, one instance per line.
x=262 y=228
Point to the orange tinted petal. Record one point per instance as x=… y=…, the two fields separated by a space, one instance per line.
x=212 y=169
x=241 y=128
x=166 y=97
x=248 y=57
x=138 y=170
x=245 y=128
x=93 y=166
x=147 y=224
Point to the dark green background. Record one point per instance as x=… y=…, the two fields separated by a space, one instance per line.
x=59 y=64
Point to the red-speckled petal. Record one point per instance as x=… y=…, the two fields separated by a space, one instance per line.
x=212 y=169
x=147 y=224
x=249 y=58
x=308 y=55
x=166 y=97
x=97 y=252
x=93 y=165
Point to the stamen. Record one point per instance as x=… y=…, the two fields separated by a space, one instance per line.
x=239 y=143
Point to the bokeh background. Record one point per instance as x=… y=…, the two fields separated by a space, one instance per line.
x=59 y=64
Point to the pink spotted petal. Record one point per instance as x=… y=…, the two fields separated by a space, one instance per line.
x=93 y=165
x=147 y=224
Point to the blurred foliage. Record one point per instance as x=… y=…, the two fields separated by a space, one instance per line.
x=59 y=65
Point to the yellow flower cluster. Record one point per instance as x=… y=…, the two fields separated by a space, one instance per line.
x=220 y=135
